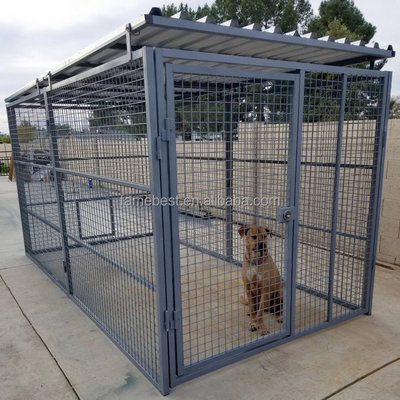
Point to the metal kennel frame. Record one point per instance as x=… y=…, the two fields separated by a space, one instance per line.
x=118 y=153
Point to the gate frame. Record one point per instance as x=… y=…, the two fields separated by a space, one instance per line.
x=289 y=263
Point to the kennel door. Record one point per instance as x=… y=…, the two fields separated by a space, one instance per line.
x=231 y=161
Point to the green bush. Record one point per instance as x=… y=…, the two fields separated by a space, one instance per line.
x=4 y=138
x=4 y=168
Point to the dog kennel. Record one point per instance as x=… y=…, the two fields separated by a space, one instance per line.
x=138 y=160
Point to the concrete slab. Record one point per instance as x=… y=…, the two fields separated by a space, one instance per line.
x=383 y=384
x=94 y=365
x=27 y=369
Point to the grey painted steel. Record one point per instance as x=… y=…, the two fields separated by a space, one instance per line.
x=228 y=127
x=168 y=110
x=295 y=192
x=44 y=221
x=172 y=69
x=174 y=32
x=375 y=203
x=161 y=70
x=230 y=33
x=247 y=62
x=336 y=195
x=152 y=99
x=142 y=280
x=60 y=193
x=116 y=181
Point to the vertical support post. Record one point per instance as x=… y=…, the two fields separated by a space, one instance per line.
x=294 y=163
x=155 y=107
x=376 y=193
x=59 y=190
x=171 y=219
x=16 y=152
x=336 y=196
x=228 y=127
x=255 y=172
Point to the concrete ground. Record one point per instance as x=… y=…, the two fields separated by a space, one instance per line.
x=49 y=349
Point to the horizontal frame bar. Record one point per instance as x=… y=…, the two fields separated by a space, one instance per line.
x=97 y=242
x=228 y=72
x=142 y=280
x=265 y=62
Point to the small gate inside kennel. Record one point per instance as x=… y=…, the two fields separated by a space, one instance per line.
x=138 y=161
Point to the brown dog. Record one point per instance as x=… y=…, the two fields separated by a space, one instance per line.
x=261 y=277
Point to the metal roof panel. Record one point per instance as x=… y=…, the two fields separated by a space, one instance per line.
x=179 y=32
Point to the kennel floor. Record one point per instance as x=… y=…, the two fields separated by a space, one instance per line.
x=215 y=321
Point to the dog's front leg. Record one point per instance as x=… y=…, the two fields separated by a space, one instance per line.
x=252 y=297
x=260 y=313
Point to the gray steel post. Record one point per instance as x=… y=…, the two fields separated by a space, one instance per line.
x=228 y=175
x=294 y=158
x=171 y=219
x=153 y=83
x=59 y=191
x=336 y=196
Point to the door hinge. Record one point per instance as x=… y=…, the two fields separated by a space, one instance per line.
x=158 y=148
x=383 y=140
x=167 y=130
x=171 y=320
x=164 y=136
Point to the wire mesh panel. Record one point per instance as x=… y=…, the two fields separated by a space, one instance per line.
x=357 y=188
x=232 y=152
x=82 y=159
x=100 y=128
x=36 y=186
x=336 y=189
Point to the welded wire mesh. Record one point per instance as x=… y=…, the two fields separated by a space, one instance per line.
x=232 y=171
x=338 y=146
x=83 y=173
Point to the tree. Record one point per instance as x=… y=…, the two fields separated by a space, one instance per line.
x=25 y=131
x=395 y=107
x=288 y=14
x=349 y=16
x=113 y=120
x=4 y=138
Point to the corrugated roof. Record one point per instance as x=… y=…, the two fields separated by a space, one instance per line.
x=179 y=32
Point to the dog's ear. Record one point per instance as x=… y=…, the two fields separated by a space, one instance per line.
x=243 y=230
x=268 y=231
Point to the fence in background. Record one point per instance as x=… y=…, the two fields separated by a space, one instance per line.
x=5 y=158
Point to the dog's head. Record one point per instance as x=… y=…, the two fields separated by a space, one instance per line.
x=256 y=240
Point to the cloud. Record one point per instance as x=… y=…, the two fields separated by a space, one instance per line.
x=34 y=50
x=36 y=36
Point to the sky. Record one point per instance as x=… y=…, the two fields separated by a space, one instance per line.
x=36 y=36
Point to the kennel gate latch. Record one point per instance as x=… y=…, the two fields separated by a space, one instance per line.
x=171 y=319
x=285 y=214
